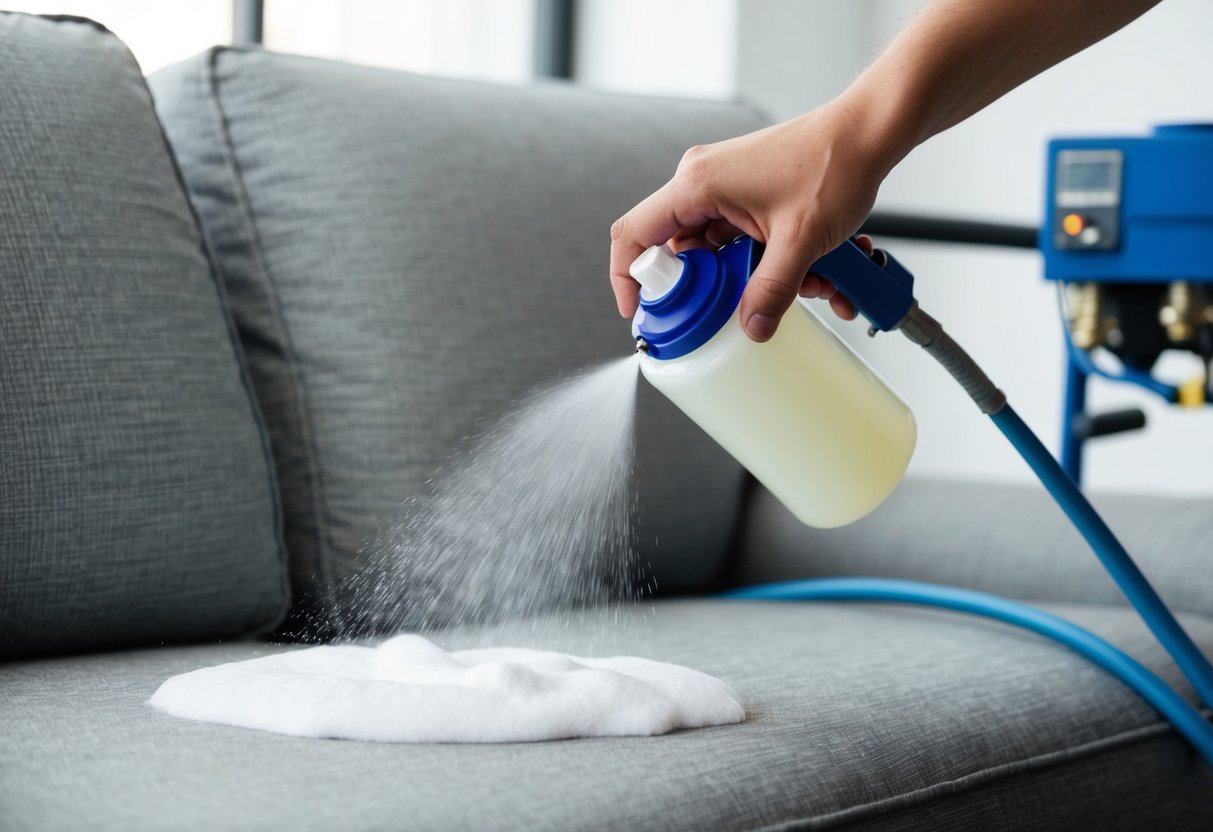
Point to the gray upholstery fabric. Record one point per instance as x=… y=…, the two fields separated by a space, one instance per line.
x=860 y=717
x=1008 y=539
x=405 y=255
x=136 y=499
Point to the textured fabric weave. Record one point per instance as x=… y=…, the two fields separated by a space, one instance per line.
x=860 y=717
x=1008 y=539
x=136 y=499
x=405 y=255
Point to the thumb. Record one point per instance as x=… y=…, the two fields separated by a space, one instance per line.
x=773 y=287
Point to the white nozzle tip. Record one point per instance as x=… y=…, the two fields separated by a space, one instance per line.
x=657 y=270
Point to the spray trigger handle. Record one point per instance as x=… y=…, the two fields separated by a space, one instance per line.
x=877 y=286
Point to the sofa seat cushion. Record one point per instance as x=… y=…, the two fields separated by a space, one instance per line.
x=859 y=717
x=407 y=255
x=137 y=502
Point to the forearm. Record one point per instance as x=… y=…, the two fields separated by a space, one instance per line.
x=802 y=187
x=957 y=56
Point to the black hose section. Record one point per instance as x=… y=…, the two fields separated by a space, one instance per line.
x=945 y=230
x=928 y=333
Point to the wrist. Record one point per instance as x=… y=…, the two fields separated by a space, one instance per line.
x=885 y=120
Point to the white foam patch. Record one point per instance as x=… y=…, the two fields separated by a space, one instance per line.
x=410 y=690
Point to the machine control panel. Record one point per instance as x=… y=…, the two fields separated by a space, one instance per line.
x=1086 y=199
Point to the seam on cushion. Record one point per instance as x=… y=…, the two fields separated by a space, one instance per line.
x=74 y=18
x=246 y=382
x=303 y=412
x=729 y=574
x=918 y=798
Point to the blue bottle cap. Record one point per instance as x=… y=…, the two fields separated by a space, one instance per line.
x=701 y=301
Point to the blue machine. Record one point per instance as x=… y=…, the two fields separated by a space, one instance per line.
x=1127 y=233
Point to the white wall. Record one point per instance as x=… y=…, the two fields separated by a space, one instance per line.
x=657 y=48
x=789 y=56
x=795 y=54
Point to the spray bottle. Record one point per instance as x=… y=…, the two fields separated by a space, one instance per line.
x=820 y=429
x=802 y=412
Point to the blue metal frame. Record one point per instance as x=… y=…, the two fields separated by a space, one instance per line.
x=1073 y=407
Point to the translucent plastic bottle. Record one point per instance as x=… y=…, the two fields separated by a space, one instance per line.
x=802 y=412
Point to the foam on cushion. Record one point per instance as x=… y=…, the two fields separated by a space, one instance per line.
x=410 y=690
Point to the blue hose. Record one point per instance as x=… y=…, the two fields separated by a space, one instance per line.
x=929 y=334
x=1109 y=551
x=1083 y=359
x=1186 y=719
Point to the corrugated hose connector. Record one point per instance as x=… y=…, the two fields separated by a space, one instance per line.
x=929 y=334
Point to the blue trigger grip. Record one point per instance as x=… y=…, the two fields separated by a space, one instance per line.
x=880 y=289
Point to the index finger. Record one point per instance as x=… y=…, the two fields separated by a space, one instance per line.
x=654 y=221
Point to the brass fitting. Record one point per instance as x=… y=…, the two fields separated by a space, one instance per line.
x=1192 y=392
x=1180 y=314
x=1086 y=329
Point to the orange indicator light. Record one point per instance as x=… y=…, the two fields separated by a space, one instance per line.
x=1073 y=224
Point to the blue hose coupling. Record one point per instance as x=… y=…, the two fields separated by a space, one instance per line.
x=879 y=287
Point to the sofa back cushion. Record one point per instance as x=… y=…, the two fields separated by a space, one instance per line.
x=1010 y=539
x=405 y=255
x=136 y=495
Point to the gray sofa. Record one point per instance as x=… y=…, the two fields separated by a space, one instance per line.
x=238 y=326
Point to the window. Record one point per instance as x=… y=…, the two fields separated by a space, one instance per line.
x=488 y=39
x=158 y=33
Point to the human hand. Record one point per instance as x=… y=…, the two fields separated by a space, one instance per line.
x=801 y=187
x=817 y=286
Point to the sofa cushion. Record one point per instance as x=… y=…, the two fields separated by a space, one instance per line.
x=859 y=717
x=136 y=494
x=1003 y=538
x=405 y=255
